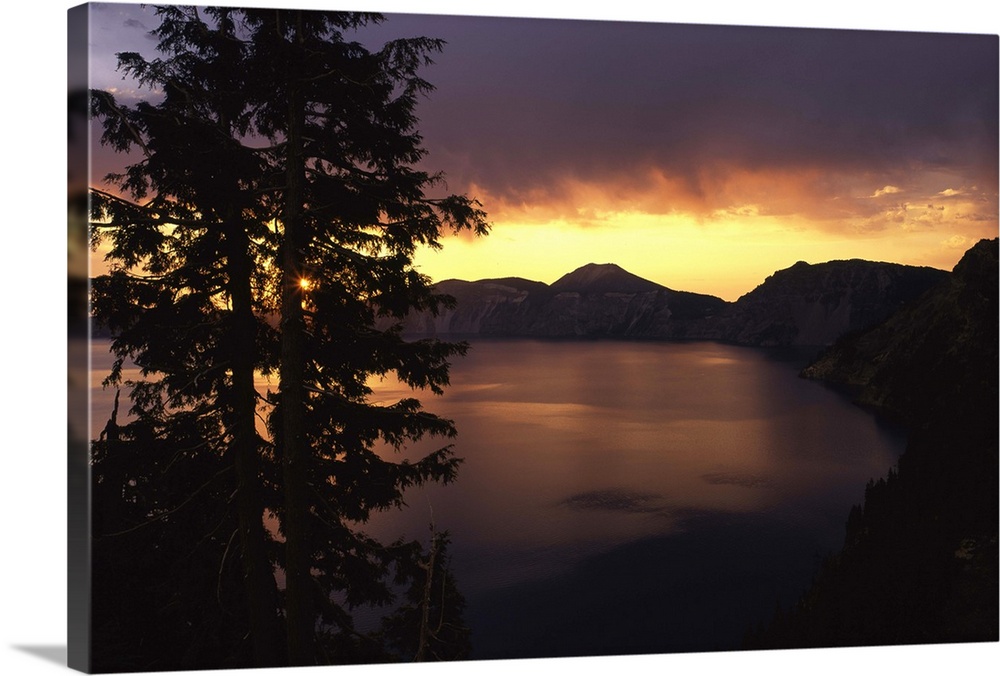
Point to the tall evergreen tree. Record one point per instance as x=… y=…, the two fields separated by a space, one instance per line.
x=179 y=297
x=219 y=231
x=354 y=209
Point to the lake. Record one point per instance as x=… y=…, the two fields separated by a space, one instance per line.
x=632 y=497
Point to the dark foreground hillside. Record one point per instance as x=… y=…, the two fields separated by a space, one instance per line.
x=919 y=562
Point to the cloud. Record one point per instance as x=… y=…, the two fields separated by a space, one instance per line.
x=887 y=190
x=577 y=119
x=832 y=203
x=720 y=193
x=581 y=121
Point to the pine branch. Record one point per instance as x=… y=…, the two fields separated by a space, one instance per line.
x=103 y=100
x=165 y=514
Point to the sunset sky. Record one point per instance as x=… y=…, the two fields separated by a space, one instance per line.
x=35 y=120
x=701 y=157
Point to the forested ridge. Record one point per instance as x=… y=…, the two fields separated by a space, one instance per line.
x=919 y=562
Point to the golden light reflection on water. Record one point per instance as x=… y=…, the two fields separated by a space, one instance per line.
x=102 y=399
x=571 y=448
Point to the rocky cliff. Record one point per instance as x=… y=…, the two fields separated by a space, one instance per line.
x=803 y=305
x=920 y=556
x=951 y=334
x=815 y=304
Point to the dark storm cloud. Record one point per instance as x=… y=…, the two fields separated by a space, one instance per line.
x=521 y=104
x=699 y=117
x=139 y=25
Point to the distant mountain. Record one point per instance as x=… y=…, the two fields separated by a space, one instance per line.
x=595 y=278
x=592 y=301
x=816 y=304
x=803 y=305
x=920 y=557
x=951 y=334
x=477 y=306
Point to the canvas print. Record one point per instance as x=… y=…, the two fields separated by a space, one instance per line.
x=417 y=338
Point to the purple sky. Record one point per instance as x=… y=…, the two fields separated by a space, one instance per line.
x=866 y=143
x=524 y=103
x=521 y=102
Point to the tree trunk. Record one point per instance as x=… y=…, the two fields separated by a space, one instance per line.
x=425 y=609
x=258 y=574
x=299 y=613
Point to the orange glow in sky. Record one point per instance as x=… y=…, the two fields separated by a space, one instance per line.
x=744 y=151
x=711 y=246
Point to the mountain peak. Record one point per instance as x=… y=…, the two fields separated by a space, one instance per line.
x=603 y=278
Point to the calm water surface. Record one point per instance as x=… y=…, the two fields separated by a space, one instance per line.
x=631 y=496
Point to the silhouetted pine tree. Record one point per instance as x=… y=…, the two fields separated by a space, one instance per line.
x=180 y=304
x=429 y=625
x=276 y=175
